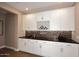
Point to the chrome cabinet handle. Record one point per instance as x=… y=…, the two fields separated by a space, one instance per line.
x=40 y=46
x=25 y=43
x=61 y=49
x=68 y=45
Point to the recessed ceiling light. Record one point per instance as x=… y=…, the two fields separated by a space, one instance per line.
x=27 y=9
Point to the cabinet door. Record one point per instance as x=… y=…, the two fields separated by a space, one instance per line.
x=29 y=22
x=50 y=49
x=70 y=50
x=43 y=19
x=55 y=21
x=43 y=16
x=27 y=44
x=63 y=19
x=34 y=47
x=22 y=44
x=67 y=19
x=37 y=48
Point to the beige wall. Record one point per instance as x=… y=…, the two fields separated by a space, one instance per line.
x=18 y=25
x=2 y=37
x=10 y=30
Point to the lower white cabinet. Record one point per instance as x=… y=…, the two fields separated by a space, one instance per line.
x=34 y=47
x=48 y=48
x=22 y=44
x=57 y=49
x=29 y=45
x=70 y=50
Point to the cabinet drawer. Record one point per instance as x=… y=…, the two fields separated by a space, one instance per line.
x=69 y=44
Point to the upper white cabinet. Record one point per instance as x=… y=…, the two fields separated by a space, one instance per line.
x=43 y=16
x=67 y=19
x=63 y=19
x=29 y=22
x=59 y=19
x=55 y=21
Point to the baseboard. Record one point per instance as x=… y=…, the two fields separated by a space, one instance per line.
x=15 y=49
x=2 y=46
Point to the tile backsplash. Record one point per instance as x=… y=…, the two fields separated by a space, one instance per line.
x=50 y=35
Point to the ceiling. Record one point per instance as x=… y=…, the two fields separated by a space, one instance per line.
x=38 y=6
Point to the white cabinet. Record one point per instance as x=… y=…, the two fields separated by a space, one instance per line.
x=70 y=50
x=29 y=45
x=50 y=49
x=34 y=46
x=26 y=45
x=43 y=16
x=55 y=21
x=57 y=49
x=29 y=22
x=60 y=19
x=22 y=44
x=63 y=19
x=67 y=19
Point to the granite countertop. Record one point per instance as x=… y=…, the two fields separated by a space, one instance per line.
x=45 y=39
x=36 y=38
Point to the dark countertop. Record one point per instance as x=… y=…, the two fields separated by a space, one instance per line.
x=45 y=39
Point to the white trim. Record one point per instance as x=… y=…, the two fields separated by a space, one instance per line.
x=15 y=49
x=2 y=46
